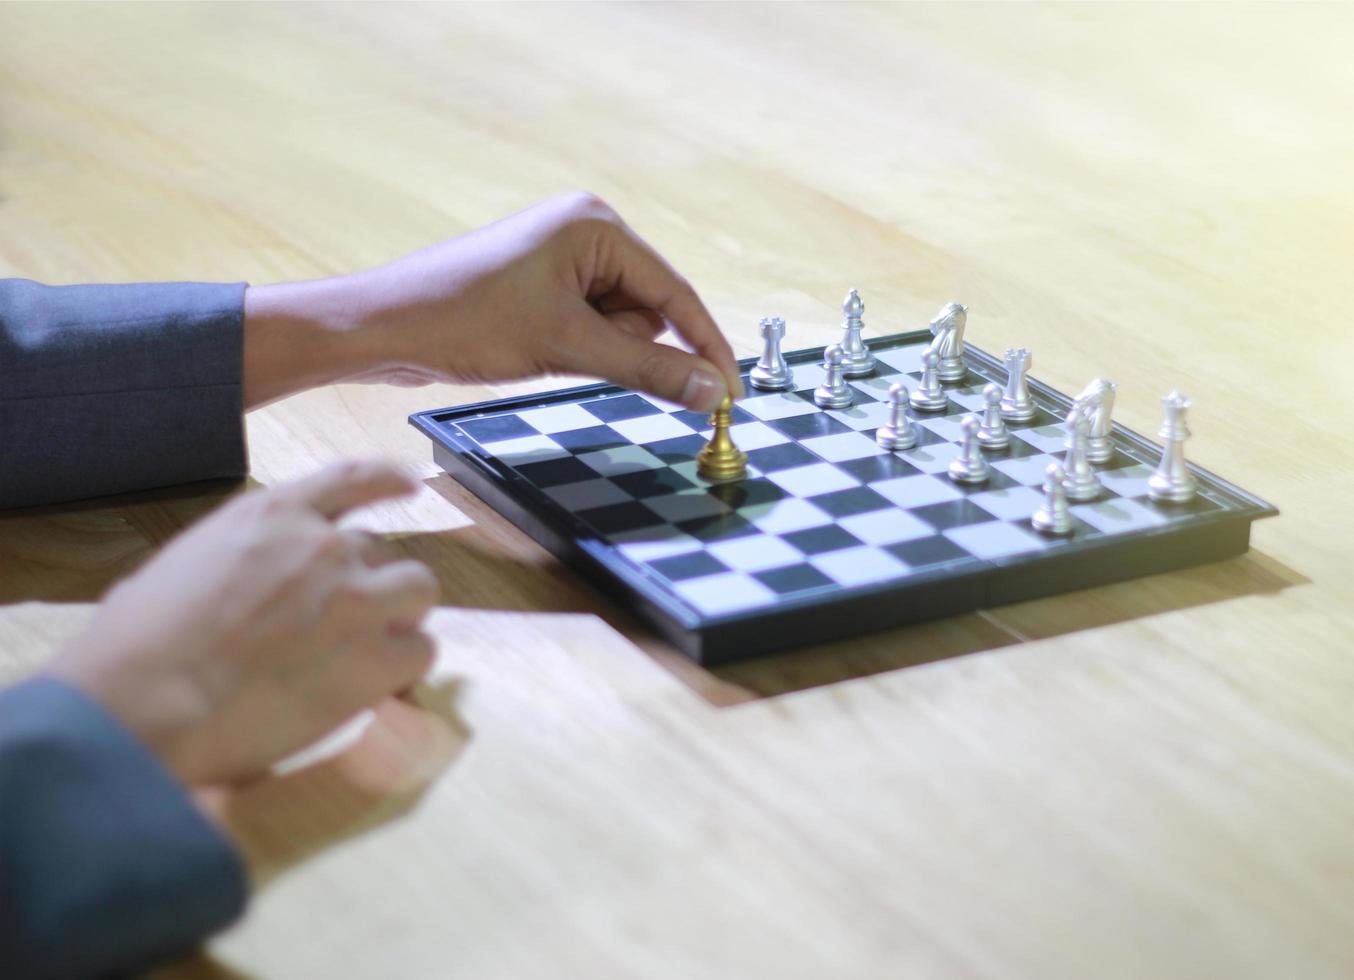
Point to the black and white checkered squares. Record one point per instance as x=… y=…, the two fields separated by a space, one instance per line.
x=823 y=509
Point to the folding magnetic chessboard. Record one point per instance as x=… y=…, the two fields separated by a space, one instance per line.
x=829 y=535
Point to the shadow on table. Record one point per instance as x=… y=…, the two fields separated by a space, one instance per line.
x=74 y=552
x=491 y=564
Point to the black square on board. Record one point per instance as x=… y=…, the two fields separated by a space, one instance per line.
x=679 y=449
x=652 y=483
x=556 y=472
x=996 y=480
x=1018 y=449
x=820 y=540
x=873 y=469
x=699 y=421
x=616 y=518
x=927 y=551
x=591 y=439
x=1042 y=416
x=807 y=426
x=854 y=500
x=952 y=513
x=496 y=428
x=692 y=565
x=747 y=493
x=768 y=459
x=792 y=578
x=721 y=527
x=1198 y=504
x=620 y=407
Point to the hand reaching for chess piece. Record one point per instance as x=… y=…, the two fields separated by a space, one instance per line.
x=564 y=287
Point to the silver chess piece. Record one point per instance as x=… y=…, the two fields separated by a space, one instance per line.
x=857 y=361
x=929 y=396
x=771 y=373
x=970 y=467
x=947 y=329
x=1173 y=482
x=993 y=434
x=1016 y=404
x=1097 y=400
x=834 y=391
x=1053 y=517
x=899 y=433
x=1080 y=480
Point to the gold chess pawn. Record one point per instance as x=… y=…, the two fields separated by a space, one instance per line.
x=721 y=460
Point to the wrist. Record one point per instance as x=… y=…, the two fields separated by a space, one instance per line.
x=300 y=335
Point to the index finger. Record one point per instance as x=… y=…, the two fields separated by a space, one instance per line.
x=337 y=489
x=640 y=272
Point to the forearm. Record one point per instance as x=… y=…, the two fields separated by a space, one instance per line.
x=300 y=335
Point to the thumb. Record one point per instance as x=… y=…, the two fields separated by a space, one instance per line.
x=646 y=365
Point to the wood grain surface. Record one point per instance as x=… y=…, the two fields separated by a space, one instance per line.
x=1151 y=779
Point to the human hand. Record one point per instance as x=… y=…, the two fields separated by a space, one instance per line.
x=564 y=287
x=259 y=629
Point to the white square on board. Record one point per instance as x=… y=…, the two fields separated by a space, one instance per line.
x=812 y=480
x=652 y=543
x=905 y=359
x=1117 y=515
x=842 y=446
x=1045 y=438
x=996 y=539
x=559 y=418
x=752 y=435
x=526 y=449
x=917 y=491
x=785 y=516
x=755 y=553
x=588 y=493
x=858 y=566
x=935 y=458
x=621 y=459
x=781 y=405
x=1026 y=470
x=1012 y=503
x=869 y=415
x=881 y=527
x=651 y=428
x=723 y=593
x=1131 y=481
x=686 y=506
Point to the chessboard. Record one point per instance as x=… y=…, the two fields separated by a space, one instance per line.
x=828 y=535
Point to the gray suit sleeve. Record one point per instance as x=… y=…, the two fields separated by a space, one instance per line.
x=105 y=864
x=105 y=389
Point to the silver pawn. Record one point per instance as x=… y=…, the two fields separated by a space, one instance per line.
x=970 y=467
x=1173 y=482
x=899 y=433
x=1016 y=404
x=1053 y=517
x=1097 y=399
x=929 y=396
x=857 y=361
x=833 y=392
x=993 y=434
x=771 y=373
x=1080 y=481
x=948 y=330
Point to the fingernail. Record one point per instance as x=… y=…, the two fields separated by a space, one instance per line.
x=703 y=392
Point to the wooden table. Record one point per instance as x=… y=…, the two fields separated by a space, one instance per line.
x=1146 y=780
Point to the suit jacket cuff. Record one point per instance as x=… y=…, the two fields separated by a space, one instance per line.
x=107 y=864
x=106 y=389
